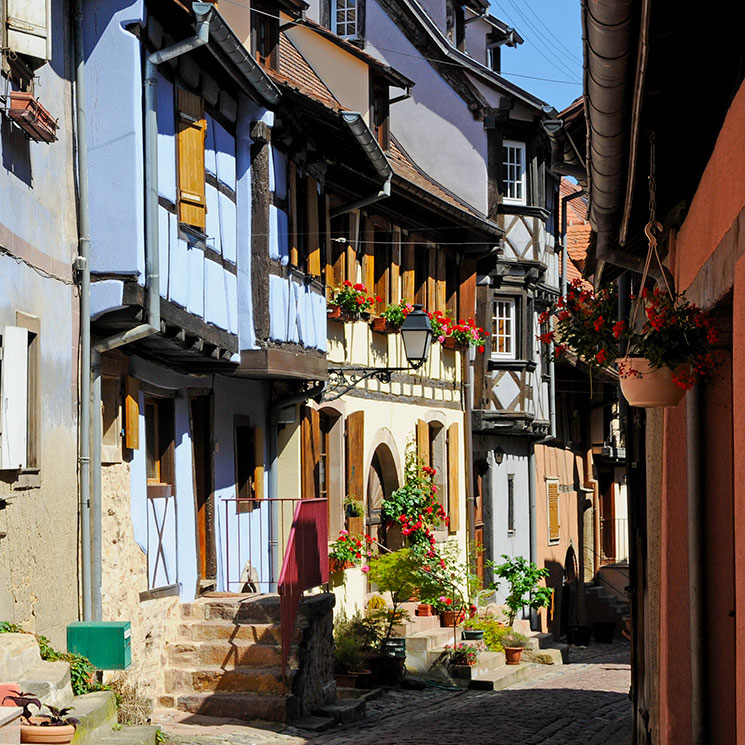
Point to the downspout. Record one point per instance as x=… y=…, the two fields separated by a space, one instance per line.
x=273 y=455
x=83 y=264
x=696 y=559
x=383 y=193
x=532 y=515
x=469 y=359
x=152 y=285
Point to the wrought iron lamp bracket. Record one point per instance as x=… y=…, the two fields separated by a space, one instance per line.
x=341 y=380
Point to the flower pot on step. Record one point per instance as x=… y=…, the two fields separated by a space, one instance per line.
x=424 y=609
x=472 y=634
x=449 y=618
x=34 y=732
x=364 y=678
x=647 y=387
x=512 y=655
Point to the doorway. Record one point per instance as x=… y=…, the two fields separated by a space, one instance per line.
x=382 y=481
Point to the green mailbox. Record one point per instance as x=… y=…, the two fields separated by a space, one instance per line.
x=107 y=644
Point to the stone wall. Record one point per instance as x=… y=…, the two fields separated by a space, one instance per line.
x=154 y=622
x=313 y=684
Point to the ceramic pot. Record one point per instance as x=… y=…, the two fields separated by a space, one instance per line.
x=472 y=634
x=34 y=733
x=512 y=655
x=424 y=609
x=449 y=618
x=382 y=326
x=654 y=389
x=339 y=566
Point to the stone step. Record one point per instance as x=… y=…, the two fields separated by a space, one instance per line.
x=216 y=679
x=237 y=609
x=199 y=630
x=556 y=655
x=97 y=715
x=140 y=735
x=345 y=710
x=503 y=677
x=244 y=706
x=427 y=640
x=226 y=655
x=48 y=681
x=18 y=653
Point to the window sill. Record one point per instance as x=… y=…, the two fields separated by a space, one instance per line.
x=23 y=480
x=511 y=364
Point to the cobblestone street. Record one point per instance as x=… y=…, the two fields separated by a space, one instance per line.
x=585 y=702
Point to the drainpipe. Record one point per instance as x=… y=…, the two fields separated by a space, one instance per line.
x=532 y=514
x=83 y=264
x=383 y=193
x=696 y=558
x=468 y=436
x=273 y=455
x=152 y=285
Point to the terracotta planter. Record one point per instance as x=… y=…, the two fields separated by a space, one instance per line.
x=346 y=680
x=32 y=117
x=512 y=655
x=333 y=312
x=424 y=609
x=339 y=566
x=450 y=343
x=381 y=326
x=356 y=525
x=655 y=388
x=449 y=618
x=33 y=732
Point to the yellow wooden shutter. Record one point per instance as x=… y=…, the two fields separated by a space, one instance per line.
x=453 y=480
x=258 y=463
x=409 y=289
x=310 y=437
x=395 y=280
x=132 y=414
x=553 y=510
x=422 y=441
x=314 y=245
x=368 y=256
x=192 y=128
x=440 y=290
x=292 y=195
x=355 y=454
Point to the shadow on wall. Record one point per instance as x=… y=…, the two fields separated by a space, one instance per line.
x=16 y=152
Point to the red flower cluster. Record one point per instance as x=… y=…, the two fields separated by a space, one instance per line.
x=354 y=298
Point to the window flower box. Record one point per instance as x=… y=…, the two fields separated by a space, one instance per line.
x=382 y=326
x=32 y=117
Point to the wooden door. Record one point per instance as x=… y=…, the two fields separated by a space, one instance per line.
x=608 y=524
x=201 y=442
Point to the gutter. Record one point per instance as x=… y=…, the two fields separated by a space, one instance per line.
x=564 y=160
x=377 y=157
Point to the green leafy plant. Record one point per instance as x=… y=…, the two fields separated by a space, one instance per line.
x=367 y=629
x=514 y=640
x=348 y=647
x=522 y=577
x=353 y=506
x=399 y=573
x=348 y=548
x=353 y=298
x=494 y=632
x=396 y=313
x=463 y=654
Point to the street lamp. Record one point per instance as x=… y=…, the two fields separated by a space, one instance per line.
x=499 y=455
x=416 y=334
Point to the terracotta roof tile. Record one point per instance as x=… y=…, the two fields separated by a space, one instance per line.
x=295 y=72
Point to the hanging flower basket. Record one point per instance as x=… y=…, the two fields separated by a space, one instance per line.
x=646 y=387
x=32 y=117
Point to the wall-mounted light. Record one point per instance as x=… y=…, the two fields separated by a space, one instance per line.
x=499 y=455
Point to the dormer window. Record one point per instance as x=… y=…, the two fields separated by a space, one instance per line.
x=344 y=18
x=513 y=164
x=264 y=35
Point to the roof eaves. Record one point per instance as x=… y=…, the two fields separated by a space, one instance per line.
x=366 y=140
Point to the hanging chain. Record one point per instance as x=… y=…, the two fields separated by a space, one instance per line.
x=652 y=182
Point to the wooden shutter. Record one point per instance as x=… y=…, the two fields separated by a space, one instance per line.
x=354 y=231
x=395 y=281
x=355 y=452
x=467 y=290
x=132 y=414
x=14 y=398
x=409 y=288
x=368 y=256
x=27 y=26
x=292 y=195
x=431 y=302
x=454 y=466
x=258 y=475
x=422 y=441
x=310 y=438
x=314 y=244
x=553 y=510
x=440 y=274
x=192 y=129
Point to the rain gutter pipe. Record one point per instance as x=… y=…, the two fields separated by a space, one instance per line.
x=469 y=358
x=83 y=265
x=93 y=553
x=273 y=456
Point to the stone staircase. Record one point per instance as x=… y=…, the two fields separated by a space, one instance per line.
x=603 y=605
x=227 y=660
x=21 y=663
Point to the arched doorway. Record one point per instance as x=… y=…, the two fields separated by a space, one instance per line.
x=382 y=481
x=569 y=592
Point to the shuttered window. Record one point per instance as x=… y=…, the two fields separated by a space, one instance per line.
x=552 y=498
x=132 y=414
x=14 y=398
x=249 y=462
x=159 y=441
x=355 y=453
x=192 y=129
x=27 y=23
x=310 y=455
x=454 y=466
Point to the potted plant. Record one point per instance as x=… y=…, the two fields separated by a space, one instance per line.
x=347 y=551
x=493 y=631
x=513 y=644
x=351 y=302
x=522 y=577
x=660 y=352
x=355 y=512
x=473 y=630
x=55 y=727
x=348 y=659
x=467 y=334
x=392 y=317
x=462 y=656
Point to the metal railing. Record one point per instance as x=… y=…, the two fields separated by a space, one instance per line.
x=256 y=533
x=305 y=565
x=614 y=540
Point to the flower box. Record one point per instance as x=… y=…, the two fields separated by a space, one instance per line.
x=32 y=117
x=449 y=618
x=337 y=313
x=381 y=326
x=450 y=343
x=338 y=566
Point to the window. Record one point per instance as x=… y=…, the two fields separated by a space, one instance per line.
x=510 y=503
x=344 y=18
x=381 y=110
x=504 y=343
x=493 y=56
x=514 y=172
x=20 y=394
x=111 y=425
x=27 y=29
x=159 y=441
x=192 y=129
x=265 y=35
x=552 y=503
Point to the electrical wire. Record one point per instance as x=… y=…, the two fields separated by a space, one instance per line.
x=41 y=272
x=571 y=55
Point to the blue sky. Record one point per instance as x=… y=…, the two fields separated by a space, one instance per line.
x=552 y=49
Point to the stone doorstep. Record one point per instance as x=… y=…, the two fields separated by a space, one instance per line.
x=50 y=682
x=242 y=608
x=18 y=653
x=344 y=711
x=207 y=631
x=429 y=640
x=139 y=735
x=97 y=715
x=240 y=706
x=504 y=677
x=215 y=679
x=227 y=655
x=10 y=724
